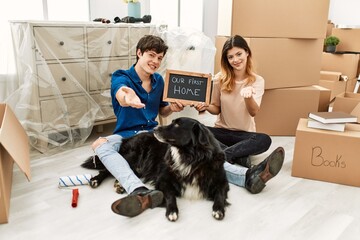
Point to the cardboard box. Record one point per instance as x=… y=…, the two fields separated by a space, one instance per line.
x=285 y=62
x=281 y=108
x=349 y=39
x=280 y=18
x=346 y=102
x=325 y=98
x=347 y=64
x=336 y=87
x=14 y=147
x=331 y=76
x=327 y=155
x=302 y=58
x=356 y=112
x=350 y=85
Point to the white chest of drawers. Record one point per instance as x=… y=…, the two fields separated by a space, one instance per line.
x=64 y=70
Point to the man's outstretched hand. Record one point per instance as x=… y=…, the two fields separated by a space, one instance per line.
x=131 y=99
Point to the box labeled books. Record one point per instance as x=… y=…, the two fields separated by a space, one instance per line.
x=328 y=156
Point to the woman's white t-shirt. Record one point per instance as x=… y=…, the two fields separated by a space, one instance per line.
x=234 y=114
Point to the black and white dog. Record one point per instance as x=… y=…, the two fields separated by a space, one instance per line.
x=180 y=159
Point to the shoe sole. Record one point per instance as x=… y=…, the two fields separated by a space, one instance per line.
x=132 y=206
x=278 y=156
x=274 y=164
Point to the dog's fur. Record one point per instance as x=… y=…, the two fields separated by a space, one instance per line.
x=181 y=159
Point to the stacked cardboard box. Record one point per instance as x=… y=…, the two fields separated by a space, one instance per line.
x=325 y=155
x=334 y=81
x=281 y=118
x=349 y=39
x=280 y=18
x=346 y=64
x=286 y=38
x=346 y=102
x=347 y=55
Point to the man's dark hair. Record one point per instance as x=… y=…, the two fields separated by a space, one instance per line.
x=151 y=43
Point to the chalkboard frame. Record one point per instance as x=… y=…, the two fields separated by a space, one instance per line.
x=187 y=75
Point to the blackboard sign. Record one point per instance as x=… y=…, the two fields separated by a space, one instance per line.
x=189 y=87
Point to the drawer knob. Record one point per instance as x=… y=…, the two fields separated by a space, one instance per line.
x=63 y=79
x=61 y=43
x=110 y=74
x=109 y=42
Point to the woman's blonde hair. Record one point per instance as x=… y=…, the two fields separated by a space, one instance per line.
x=227 y=79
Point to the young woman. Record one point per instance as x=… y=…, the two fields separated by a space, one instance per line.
x=236 y=98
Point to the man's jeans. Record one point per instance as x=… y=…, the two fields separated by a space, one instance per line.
x=116 y=164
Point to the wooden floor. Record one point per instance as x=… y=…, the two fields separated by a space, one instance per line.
x=288 y=208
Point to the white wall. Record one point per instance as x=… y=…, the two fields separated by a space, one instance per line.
x=159 y=15
x=224 y=18
x=345 y=12
x=192 y=13
x=210 y=21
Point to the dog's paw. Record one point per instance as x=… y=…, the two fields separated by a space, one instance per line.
x=172 y=216
x=218 y=215
x=118 y=188
x=94 y=183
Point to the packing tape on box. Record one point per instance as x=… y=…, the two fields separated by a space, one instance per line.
x=76 y=180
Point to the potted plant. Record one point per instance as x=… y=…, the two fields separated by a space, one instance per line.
x=330 y=43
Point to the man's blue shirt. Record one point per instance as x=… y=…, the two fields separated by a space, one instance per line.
x=132 y=120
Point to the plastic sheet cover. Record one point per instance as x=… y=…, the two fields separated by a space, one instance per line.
x=64 y=71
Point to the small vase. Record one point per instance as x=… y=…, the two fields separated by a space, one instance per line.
x=330 y=49
x=134 y=9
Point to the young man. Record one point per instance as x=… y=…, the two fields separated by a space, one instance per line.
x=137 y=100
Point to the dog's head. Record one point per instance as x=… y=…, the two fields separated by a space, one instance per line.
x=185 y=131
